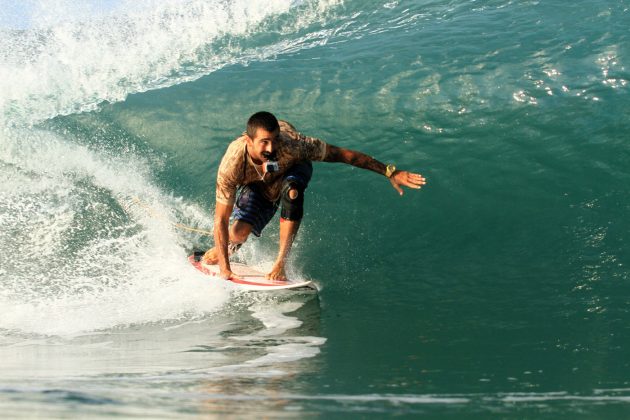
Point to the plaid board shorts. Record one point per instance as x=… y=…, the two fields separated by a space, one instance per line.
x=252 y=207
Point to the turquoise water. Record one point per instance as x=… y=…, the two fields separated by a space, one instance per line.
x=500 y=290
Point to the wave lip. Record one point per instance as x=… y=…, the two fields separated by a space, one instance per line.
x=68 y=65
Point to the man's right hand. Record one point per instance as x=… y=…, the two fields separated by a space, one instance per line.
x=229 y=275
x=221 y=238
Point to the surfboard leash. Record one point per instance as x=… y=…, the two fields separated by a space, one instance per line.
x=156 y=215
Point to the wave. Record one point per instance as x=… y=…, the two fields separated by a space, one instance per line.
x=72 y=258
x=73 y=255
x=69 y=60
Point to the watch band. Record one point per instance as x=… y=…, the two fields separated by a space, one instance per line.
x=389 y=170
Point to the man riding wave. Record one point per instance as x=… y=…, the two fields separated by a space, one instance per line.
x=271 y=164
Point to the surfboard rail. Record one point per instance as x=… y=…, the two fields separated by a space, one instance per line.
x=250 y=278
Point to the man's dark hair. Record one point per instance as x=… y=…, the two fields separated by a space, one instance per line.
x=262 y=119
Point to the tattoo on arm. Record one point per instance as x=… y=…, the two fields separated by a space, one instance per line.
x=354 y=158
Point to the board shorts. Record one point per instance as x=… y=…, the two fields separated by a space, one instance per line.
x=254 y=208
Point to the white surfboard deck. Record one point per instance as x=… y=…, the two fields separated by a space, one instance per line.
x=250 y=278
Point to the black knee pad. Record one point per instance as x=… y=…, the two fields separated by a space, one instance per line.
x=292 y=209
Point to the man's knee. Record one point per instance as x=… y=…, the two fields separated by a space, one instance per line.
x=292 y=201
x=240 y=232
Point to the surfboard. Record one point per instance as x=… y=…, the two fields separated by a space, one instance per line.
x=251 y=279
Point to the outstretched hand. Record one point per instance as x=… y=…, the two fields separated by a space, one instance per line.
x=407 y=179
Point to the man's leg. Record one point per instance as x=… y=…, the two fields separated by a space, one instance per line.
x=252 y=212
x=239 y=231
x=292 y=200
x=288 y=230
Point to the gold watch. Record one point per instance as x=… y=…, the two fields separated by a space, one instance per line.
x=389 y=171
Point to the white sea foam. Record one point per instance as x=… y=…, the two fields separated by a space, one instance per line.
x=72 y=259
x=71 y=58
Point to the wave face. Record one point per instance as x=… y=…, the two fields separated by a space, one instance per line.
x=499 y=287
x=90 y=257
x=69 y=59
x=94 y=280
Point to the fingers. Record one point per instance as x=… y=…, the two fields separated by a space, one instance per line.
x=229 y=275
x=416 y=180
x=396 y=186
x=407 y=179
x=276 y=276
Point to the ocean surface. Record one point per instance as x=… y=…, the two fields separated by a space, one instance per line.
x=499 y=290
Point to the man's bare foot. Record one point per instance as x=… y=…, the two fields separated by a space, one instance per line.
x=277 y=273
x=210 y=257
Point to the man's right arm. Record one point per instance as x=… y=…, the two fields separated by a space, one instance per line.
x=227 y=181
x=222 y=236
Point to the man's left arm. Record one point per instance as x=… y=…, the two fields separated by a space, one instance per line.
x=397 y=177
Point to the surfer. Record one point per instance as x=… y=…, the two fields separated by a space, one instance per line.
x=271 y=164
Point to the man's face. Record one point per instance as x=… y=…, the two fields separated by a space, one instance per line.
x=262 y=146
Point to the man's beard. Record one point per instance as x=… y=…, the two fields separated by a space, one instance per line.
x=268 y=155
